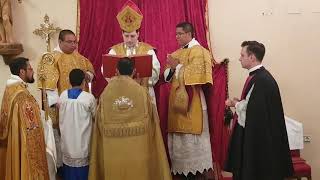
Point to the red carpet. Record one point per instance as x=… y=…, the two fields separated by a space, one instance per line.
x=227 y=178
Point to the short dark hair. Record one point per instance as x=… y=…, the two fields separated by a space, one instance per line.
x=65 y=32
x=125 y=66
x=187 y=27
x=76 y=77
x=137 y=31
x=17 y=64
x=256 y=48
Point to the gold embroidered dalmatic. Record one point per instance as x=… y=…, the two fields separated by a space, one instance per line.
x=59 y=67
x=196 y=71
x=22 y=144
x=127 y=142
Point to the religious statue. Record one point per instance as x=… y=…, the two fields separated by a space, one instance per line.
x=6 y=35
x=8 y=46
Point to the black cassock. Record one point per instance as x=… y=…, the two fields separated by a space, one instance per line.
x=260 y=151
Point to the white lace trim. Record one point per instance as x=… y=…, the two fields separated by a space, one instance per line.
x=191 y=153
x=192 y=167
x=75 y=162
x=58 y=147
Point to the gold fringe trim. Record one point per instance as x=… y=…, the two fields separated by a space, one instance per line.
x=78 y=21
x=208 y=32
x=226 y=63
x=54 y=115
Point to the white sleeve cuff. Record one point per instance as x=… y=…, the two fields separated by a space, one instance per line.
x=112 y=52
x=91 y=75
x=52 y=97
x=241 y=109
x=155 y=69
x=166 y=73
x=179 y=66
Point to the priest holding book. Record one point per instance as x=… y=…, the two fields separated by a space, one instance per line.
x=129 y=19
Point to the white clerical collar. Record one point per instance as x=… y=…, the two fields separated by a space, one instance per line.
x=15 y=79
x=192 y=43
x=255 y=68
x=58 y=49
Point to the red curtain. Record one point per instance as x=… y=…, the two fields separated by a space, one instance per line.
x=216 y=96
x=99 y=30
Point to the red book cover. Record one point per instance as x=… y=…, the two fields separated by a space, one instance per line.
x=142 y=64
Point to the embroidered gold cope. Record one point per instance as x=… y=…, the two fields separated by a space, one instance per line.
x=22 y=144
x=196 y=71
x=127 y=141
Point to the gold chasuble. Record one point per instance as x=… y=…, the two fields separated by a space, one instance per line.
x=142 y=48
x=22 y=144
x=127 y=142
x=58 y=66
x=184 y=116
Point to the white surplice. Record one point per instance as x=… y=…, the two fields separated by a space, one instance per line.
x=75 y=122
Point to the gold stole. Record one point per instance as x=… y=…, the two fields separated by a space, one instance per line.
x=22 y=146
x=196 y=71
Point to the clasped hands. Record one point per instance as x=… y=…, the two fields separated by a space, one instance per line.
x=142 y=81
x=232 y=102
x=87 y=78
x=172 y=62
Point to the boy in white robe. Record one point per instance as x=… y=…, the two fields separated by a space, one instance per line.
x=76 y=110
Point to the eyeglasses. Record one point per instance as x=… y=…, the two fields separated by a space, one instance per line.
x=71 y=42
x=180 y=33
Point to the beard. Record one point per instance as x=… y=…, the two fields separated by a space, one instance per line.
x=30 y=80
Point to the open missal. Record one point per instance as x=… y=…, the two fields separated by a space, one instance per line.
x=142 y=64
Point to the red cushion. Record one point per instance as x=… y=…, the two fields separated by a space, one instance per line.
x=296 y=160
x=301 y=169
x=227 y=178
x=295 y=153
